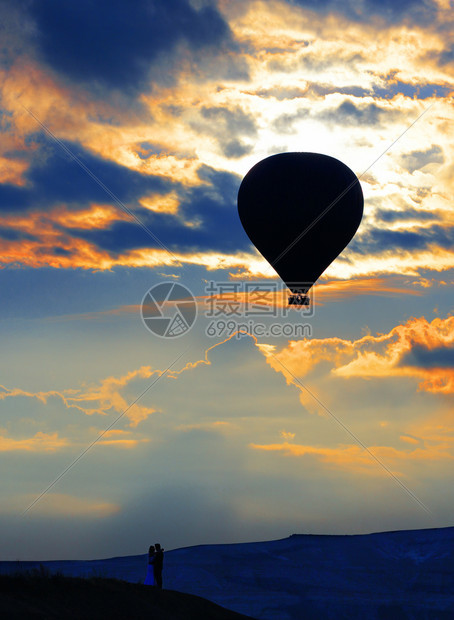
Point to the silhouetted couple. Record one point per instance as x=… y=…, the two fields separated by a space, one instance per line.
x=155 y=562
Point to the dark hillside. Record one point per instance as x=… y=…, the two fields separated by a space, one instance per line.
x=39 y=595
x=407 y=575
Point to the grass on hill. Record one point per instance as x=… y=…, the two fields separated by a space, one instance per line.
x=38 y=594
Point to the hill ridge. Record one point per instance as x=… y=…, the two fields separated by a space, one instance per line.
x=405 y=573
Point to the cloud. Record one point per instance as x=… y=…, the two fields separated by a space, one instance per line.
x=115 y=45
x=102 y=399
x=203 y=212
x=387 y=88
x=416 y=160
x=349 y=114
x=382 y=240
x=229 y=127
x=420 y=90
x=232 y=120
x=285 y=123
x=157 y=164
x=287 y=435
x=107 y=397
x=423 y=356
x=417 y=349
x=9 y=234
x=417 y=215
x=57 y=505
x=408 y=439
x=412 y=11
x=122 y=443
x=54 y=177
x=202 y=426
x=342 y=289
x=218 y=427
x=110 y=399
x=354 y=458
x=40 y=442
x=69 y=210
x=281 y=93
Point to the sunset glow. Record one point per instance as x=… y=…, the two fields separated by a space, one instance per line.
x=120 y=164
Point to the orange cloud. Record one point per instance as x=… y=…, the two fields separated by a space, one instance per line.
x=116 y=432
x=436 y=428
x=354 y=458
x=122 y=443
x=41 y=442
x=107 y=395
x=383 y=355
x=336 y=290
x=12 y=170
x=53 y=504
x=120 y=438
x=103 y=397
x=219 y=426
x=95 y=216
x=408 y=439
x=54 y=247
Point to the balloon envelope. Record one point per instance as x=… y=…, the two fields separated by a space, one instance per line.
x=300 y=210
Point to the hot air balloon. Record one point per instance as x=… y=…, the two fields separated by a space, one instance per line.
x=300 y=210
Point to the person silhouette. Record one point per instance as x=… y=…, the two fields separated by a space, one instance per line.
x=157 y=565
x=150 y=578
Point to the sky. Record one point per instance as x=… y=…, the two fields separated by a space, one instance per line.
x=126 y=131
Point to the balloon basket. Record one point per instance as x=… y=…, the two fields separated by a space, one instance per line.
x=298 y=300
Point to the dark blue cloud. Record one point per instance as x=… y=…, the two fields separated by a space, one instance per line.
x=215 y=206
x=13 y=197
x=378 y=241
x=416 y=11
x=60 y=252
x=15 y=235
x=440 y=357
x=388 y=215
x=55 y=178
x=207 y=220
x=390 y=90
x=399 y=239
x=113 y=43
x=415 y=91
x=5 y=120
x=120 y=237
x=347 y=113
